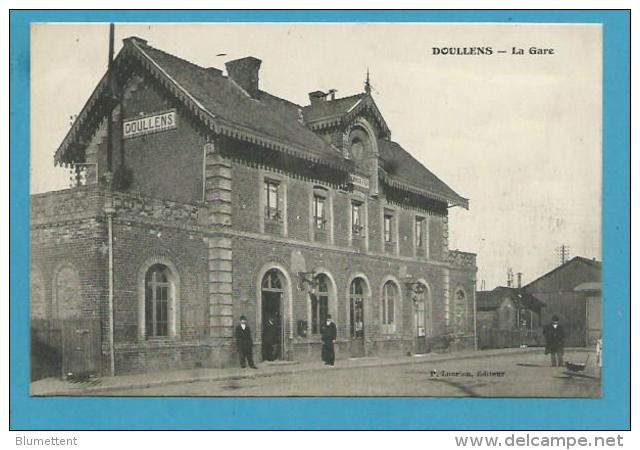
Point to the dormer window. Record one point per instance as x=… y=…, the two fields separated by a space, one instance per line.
x=357 y=149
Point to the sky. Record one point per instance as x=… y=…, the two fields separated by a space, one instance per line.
x=519 y=135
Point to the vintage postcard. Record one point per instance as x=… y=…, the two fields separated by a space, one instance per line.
x=316 y=210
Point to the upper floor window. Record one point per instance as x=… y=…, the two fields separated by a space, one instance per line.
x=357 y=149
x=420 y=232
x=389 y=295
x=156 y=305
x=357 y=222
x=319 y=212
x=388 y=227
x=272 y=200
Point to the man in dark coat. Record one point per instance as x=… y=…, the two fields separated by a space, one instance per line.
x=270 y=340
x=328 y=333
x=244 y=343
x=554 y=336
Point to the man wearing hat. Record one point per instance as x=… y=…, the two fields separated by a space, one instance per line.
x=329 y=333
x=554 y=336
x=244 y=343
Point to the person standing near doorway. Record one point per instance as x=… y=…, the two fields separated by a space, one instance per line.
x=244 y=343
x=328 y=333
x=554 y=336
x=270 y=340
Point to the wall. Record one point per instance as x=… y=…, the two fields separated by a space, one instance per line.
x=69 y=230
x=168 y=164
x=66 y=231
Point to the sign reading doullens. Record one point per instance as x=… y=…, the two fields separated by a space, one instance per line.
x=155 y=123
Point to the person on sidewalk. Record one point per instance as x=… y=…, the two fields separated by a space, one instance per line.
x=328 y=333
x=270 y=339
x=554 y=337
x=244 y=343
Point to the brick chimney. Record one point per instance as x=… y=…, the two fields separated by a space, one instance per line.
x=519 y=274
x=316 y=97
x=244 y=72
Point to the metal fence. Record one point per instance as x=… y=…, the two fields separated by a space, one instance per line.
x=497 y=338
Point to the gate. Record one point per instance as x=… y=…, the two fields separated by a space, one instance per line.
x=63 y=348
x=81 y=347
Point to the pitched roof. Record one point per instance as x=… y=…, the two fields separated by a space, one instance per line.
x=490 y=300
x=221 y=104
x=330 y=108
x=327 y=113
x=576 y=259
x=225 y=108
x=403 y=170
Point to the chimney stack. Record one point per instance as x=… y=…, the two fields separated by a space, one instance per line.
x=316 y=97
x=244 y=72
x=519 y=279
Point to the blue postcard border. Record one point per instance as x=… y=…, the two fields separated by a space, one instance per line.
x=610 y=412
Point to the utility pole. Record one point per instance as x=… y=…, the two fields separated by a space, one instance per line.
x=109 y=211
x=563 y=253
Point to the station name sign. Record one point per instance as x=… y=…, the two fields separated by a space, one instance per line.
x=359 y=181
x=155 y=123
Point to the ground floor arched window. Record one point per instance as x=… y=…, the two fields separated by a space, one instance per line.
x=67 y=301
x=389 y=296
x=319 y=303
x=356 y=307
x=157 y=300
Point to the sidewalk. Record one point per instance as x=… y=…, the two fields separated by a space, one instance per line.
x=58 y=387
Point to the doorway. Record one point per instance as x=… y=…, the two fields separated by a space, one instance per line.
x=422 y=320
x=272 y=324
x=356 y=317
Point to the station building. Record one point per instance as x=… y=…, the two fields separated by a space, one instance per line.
x=200 y=198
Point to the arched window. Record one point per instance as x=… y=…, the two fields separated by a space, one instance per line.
x=357 y=148
x=356 y=307
x=389 y=295
x=157 y=299
x=319 y=303
x=272 y=280
x=67 y=302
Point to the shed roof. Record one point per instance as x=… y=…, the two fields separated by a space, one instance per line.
x=490 y=300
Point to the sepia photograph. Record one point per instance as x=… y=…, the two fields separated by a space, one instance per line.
x=316 y=210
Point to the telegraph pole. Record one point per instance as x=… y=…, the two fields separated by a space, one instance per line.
x=563 y=253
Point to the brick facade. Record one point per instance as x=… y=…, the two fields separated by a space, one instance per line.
x=198 y=208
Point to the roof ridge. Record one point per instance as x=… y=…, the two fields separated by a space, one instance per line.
x=139 y=44
x=326 y=102
x=280 y=98
x=596 y=264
